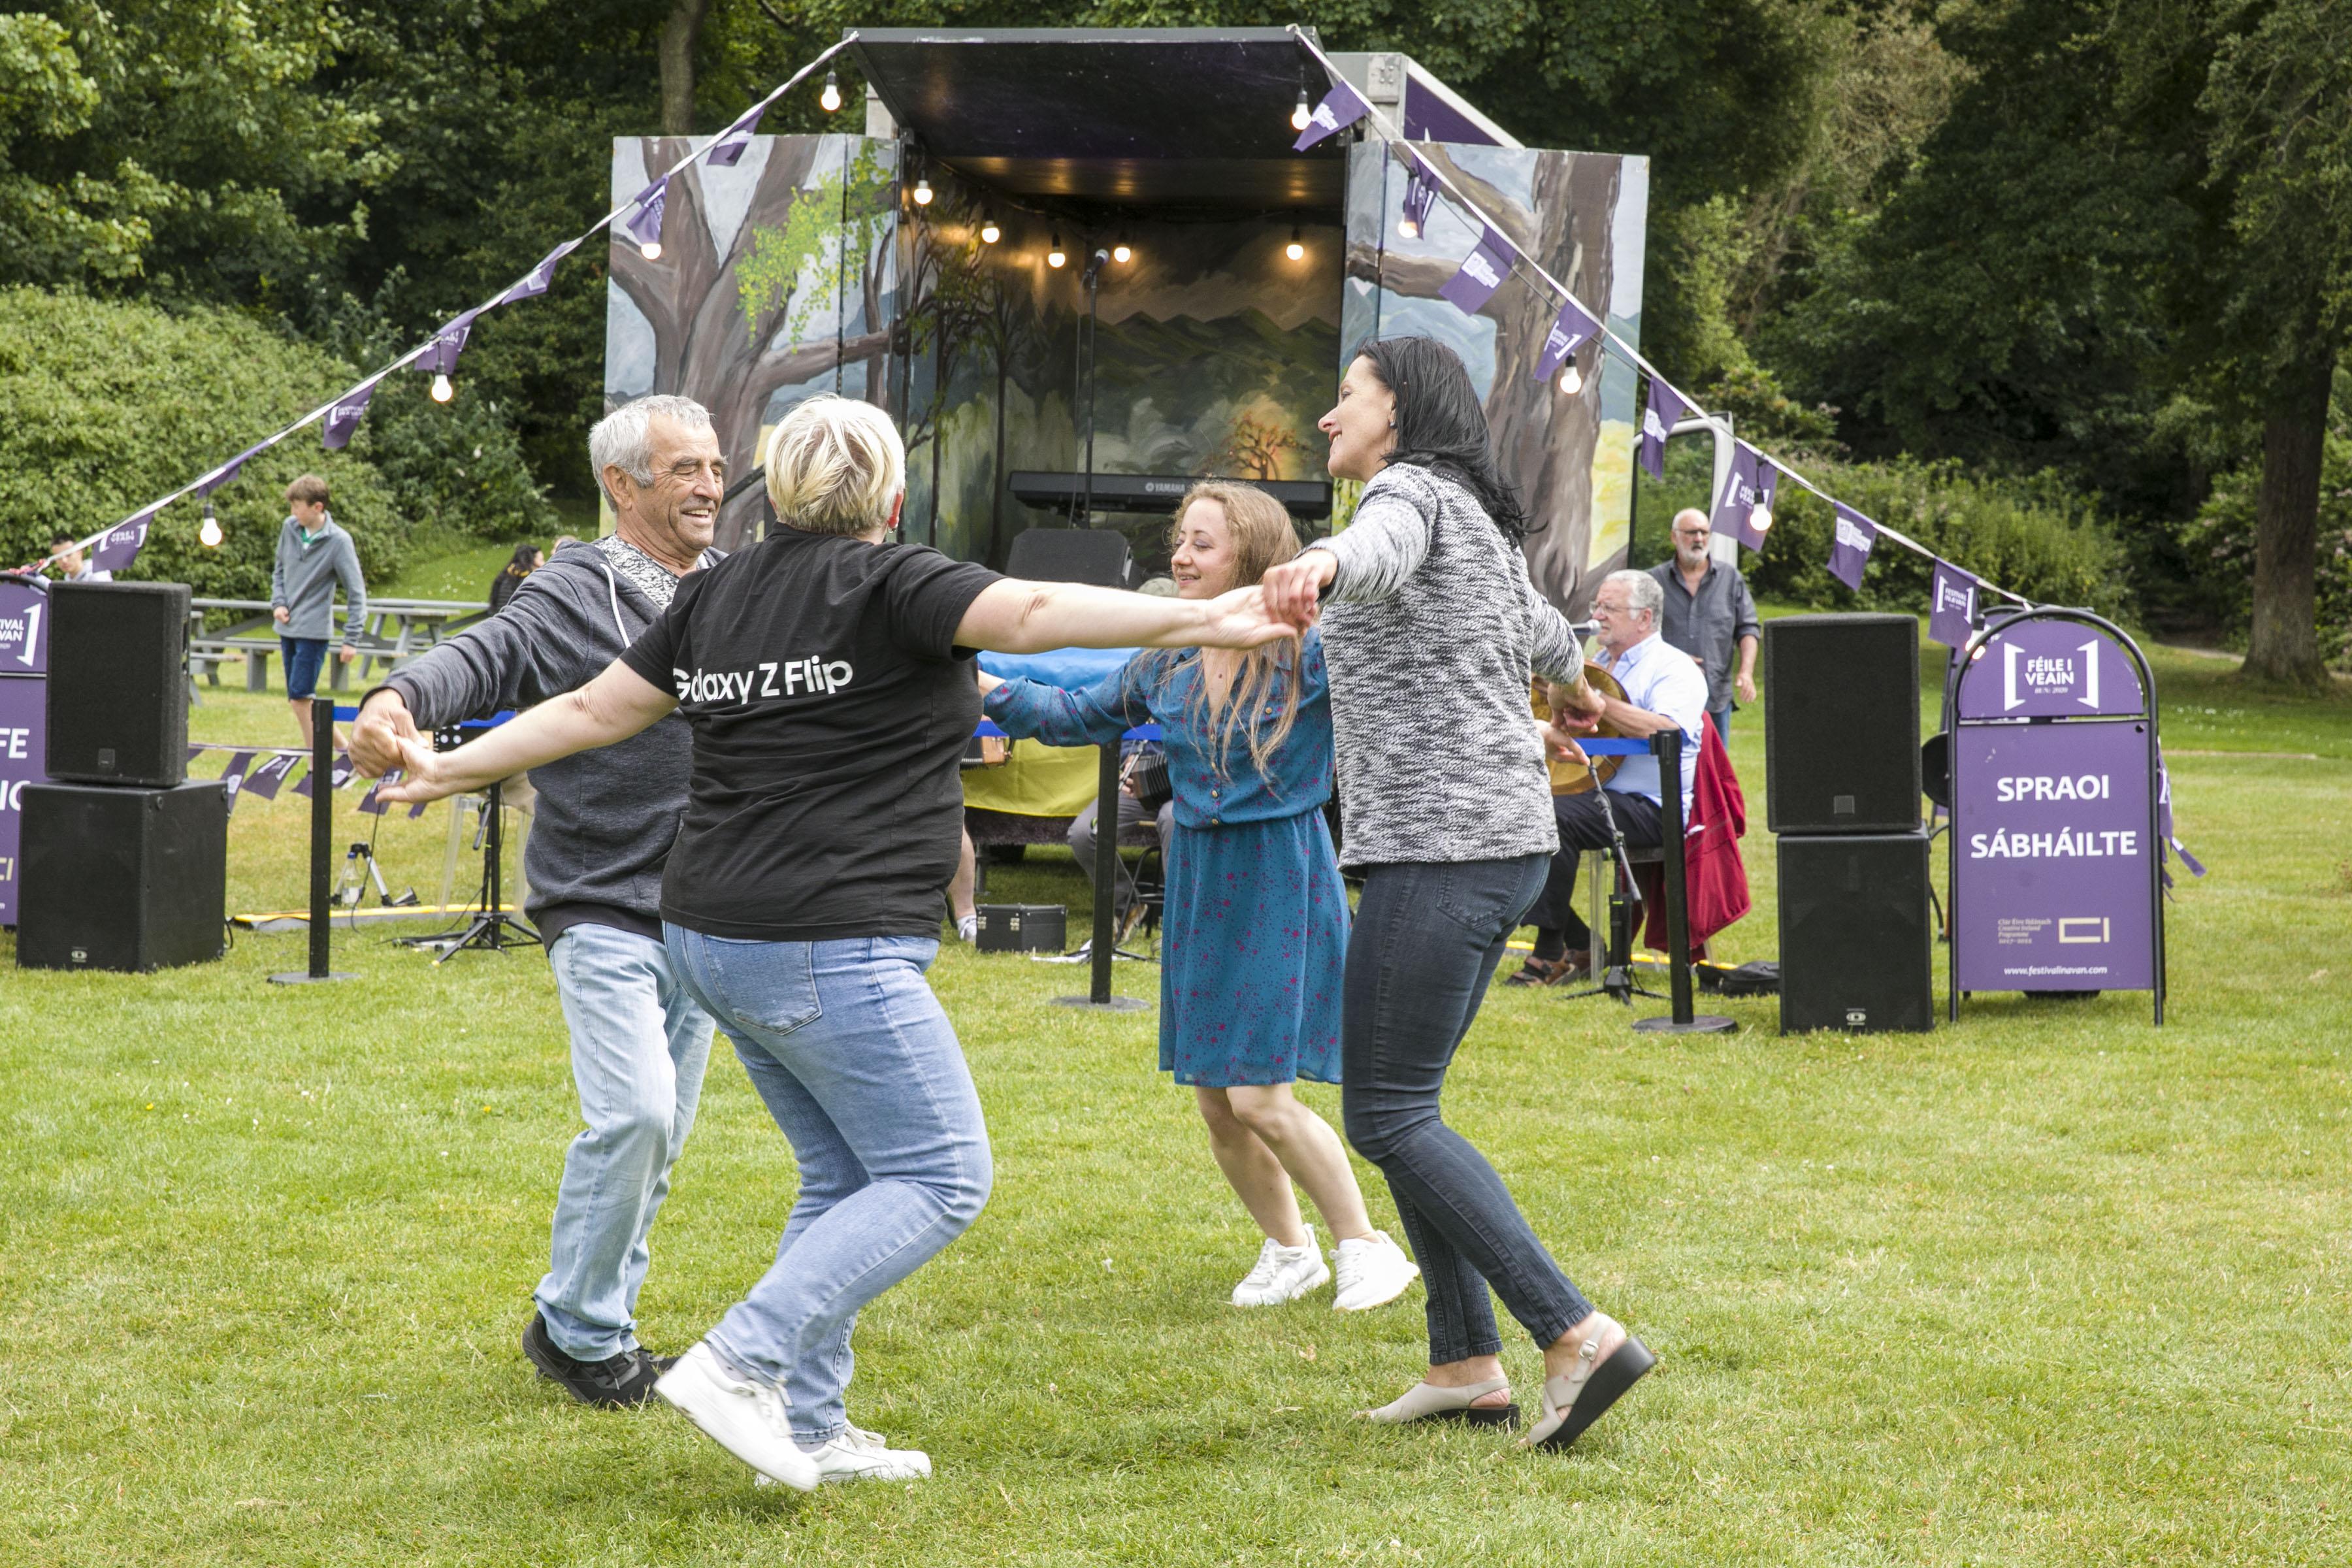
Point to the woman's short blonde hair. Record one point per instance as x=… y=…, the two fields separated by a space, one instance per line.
x=835 y=465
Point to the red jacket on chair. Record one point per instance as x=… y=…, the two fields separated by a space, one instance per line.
x=1715 y=877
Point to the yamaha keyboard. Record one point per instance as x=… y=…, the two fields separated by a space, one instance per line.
x=1156 y=492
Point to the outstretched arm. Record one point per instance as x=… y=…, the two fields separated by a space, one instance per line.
x=612 y=707
x=1014 y=616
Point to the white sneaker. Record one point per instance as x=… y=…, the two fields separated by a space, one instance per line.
x=1374 y=1271
x=1283 y=1273
x=750 y=1420
x=859 y=1454
x=967 y=928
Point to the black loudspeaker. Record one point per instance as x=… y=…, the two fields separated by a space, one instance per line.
x=123 y=879
x=1857 y=949
x=1021 y=928
x=1097 y=555
x=119 y=683
x=1841 y=724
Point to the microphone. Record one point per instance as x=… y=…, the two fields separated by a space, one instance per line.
x=1096 y=263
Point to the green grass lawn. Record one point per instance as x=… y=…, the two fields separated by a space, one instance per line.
x=2049 y=1286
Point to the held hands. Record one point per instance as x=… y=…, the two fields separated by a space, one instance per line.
x=1294 y=590
x=1559 y=741
x=383 y=723
x=1243 y=618
x=423 y=776
x=988 y=682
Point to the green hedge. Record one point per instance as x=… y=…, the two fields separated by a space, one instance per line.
x=2030 y=536
x=2218 y=544
x=105 y=405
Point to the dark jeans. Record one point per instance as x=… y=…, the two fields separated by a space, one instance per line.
x=1722 y=718
x=1425 y=942
x=304 y=657
x=1582 y=826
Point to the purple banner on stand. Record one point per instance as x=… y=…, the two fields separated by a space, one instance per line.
x=123 y=542
x=1483 y=271
x=1340 y=107
x=2056 y=865
x=2048 y=669
x=1952 y=604
x=1659 y=417
x=24 y=731
x=1851 y=538
x=24 y=630
x=265 y=780
x=1574 y=328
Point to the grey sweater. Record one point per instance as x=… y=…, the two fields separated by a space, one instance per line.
x=1430 y=631
x=606 y=819
x=302 y=578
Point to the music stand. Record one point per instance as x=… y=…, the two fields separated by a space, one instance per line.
x=491 y=929
x=1616 y=976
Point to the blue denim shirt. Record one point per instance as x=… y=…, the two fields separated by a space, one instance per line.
x=1158 y=685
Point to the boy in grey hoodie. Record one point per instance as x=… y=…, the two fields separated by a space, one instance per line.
x=599 y=840
x=313 y=554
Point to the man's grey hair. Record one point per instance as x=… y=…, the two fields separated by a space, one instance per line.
x=1642 y=593
x=623 y=439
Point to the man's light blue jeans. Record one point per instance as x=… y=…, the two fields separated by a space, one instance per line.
x=861 y=1069
x=639 y=1044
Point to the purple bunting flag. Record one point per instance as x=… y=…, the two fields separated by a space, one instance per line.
x=369 y=804
x=228 y=471
x=440 y=356
x=1666 y=409
x=123 y=542
x=1952 y=604
x=344 y=417
x=1768 y=479
x=1483 y=271
x=1738 y=497
x=539 y=279
x=232 y=776
x=644 y=224
x=265 y=780
x=1851 y=538
x=1420 y=195
x=1574 y=329
x=1340 y=107
x=728 y=149
x=338 y=775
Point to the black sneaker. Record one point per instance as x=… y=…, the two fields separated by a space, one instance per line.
x=625 y=1379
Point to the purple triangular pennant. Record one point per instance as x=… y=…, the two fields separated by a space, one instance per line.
x=1738 y=496
x=1340 y=107
x=1851 y=538
x=123 y=542
x=1419 y=194
x=344 y=416
x=1483 y=271
x=232 y=776
x=265 y=780
x=728 y=149
x=644 y=224
x=1768 y=479
x=228 y=471
x=440 y=356
x=369 y=804
x=1952 y=604
x=1664 y=411
x=1574 y=328
x=539 y=279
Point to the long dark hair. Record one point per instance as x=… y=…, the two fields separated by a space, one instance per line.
x=1441 y=424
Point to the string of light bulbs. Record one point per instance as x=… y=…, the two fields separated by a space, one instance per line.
x=1428 y=180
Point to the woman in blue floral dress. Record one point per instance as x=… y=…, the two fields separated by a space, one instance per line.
x=1256 y=921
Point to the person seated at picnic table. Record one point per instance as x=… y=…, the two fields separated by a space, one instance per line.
x=1255 y=916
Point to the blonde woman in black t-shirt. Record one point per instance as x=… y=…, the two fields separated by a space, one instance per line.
x=827 y=675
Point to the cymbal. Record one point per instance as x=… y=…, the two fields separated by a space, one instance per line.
x=1578 y=778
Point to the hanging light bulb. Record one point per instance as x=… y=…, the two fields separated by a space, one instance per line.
x=922 y=189
x=829 y=99
x=209 y=535
x=441 y=391
x=1295 y=249
x=1302 y=116
x=1122 y=252
x=1759 y=518
x=1056 y=255
x=1408 y=228
x=990 y=233
x=650 y=250
x=1572 y=380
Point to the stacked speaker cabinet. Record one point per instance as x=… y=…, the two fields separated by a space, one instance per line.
x=124 y=865
x=1841 y=794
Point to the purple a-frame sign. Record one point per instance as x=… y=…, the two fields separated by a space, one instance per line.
x=2055 y=874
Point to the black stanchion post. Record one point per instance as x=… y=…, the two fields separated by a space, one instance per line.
x=1667 y=745
x=1100 y=949
x=322 y=845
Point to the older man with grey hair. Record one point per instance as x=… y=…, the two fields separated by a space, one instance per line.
x=605 y=821
x=1663 y=691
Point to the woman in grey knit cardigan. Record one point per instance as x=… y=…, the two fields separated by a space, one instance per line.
x=1430 y=629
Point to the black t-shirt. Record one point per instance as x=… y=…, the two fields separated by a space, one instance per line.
x=830 y=706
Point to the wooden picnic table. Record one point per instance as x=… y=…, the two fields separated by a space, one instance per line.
x=395 y=631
